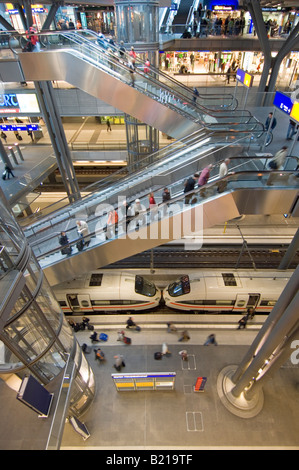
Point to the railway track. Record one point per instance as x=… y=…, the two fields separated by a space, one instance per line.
x=209 y=257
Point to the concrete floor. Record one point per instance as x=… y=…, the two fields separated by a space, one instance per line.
x=181 y=418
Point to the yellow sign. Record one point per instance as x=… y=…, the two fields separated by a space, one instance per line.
x=295 y=111
x=248 y=79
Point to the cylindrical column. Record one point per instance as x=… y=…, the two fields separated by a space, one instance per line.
x=35 y=336
x=12 y=153
x=17 y=147
x=277 y=336
x=290 y=253
x=137 y=25
x=3 y=154
x=286 y=296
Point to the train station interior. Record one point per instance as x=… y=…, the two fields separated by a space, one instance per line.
x=150 y=173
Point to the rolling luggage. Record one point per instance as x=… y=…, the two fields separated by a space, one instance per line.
x=158 y=356
x=66 y=250
x=138 y=328
x=80 y=245
x=127 y=340
x=103 y=337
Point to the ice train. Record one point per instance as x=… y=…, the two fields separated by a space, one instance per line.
x=107 y=292
x=226 y=291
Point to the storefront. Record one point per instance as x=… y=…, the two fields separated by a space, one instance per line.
x=98 y=19
x=39 y=15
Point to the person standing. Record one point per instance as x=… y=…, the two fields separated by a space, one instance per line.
x=223 y=171
x=270 y=123
x=189 y=186
x=83 y=231
x=65 y=244
x=204 y=178
x=291 y=129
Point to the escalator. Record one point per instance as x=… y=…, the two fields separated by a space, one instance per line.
x=153 y=98
x=243 y=192
x=183 y=12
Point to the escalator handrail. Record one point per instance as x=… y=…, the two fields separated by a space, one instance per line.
x=181 y=197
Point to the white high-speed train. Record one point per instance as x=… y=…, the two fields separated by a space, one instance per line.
x=226 y=291
x=107 y=292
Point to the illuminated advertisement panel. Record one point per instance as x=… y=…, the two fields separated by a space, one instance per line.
x=14 y=103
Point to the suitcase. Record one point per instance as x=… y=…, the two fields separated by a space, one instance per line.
x=158 y=356
x=66 y=250
x=80 y=245
x=86 y=349
x=127 y=340
x=103 y=337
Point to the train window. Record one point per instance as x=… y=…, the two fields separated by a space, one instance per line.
x=84 y=303
x=267 y=303
x=100 y=302
x=144 y=287
x=180 y=287
x=96 y=279
x=229 y=279
x=62 y=303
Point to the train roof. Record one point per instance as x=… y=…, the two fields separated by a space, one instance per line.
x=109 y=282
x=228 y=281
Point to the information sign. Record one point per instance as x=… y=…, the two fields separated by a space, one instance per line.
x=295 y=112
x=245 y=78
x=144 y=381
x=283 y=102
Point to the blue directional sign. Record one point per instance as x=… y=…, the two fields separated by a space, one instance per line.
x=283 y=102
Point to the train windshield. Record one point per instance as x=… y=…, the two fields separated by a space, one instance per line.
x=144 y=287
x=180 y=287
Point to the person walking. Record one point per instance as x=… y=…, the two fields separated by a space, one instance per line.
x=278 y=161
x=185 y=336
x=242 y=323
x=8 y=171
x=119 y=362
x=211 y=340
x=108 y=125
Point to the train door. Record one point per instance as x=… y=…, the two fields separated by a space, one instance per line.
x=79 y=302
x=253 y=300
x=244 y=301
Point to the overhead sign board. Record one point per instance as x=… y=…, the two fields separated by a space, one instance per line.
x=284 y=103
x=245 y=78
x=295 y=112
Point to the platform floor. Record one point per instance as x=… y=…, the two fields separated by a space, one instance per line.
x=181 y=418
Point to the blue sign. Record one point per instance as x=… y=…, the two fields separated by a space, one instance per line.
x=9 y=100
x=283 y=102
x=19 y=127
x=244 y=77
